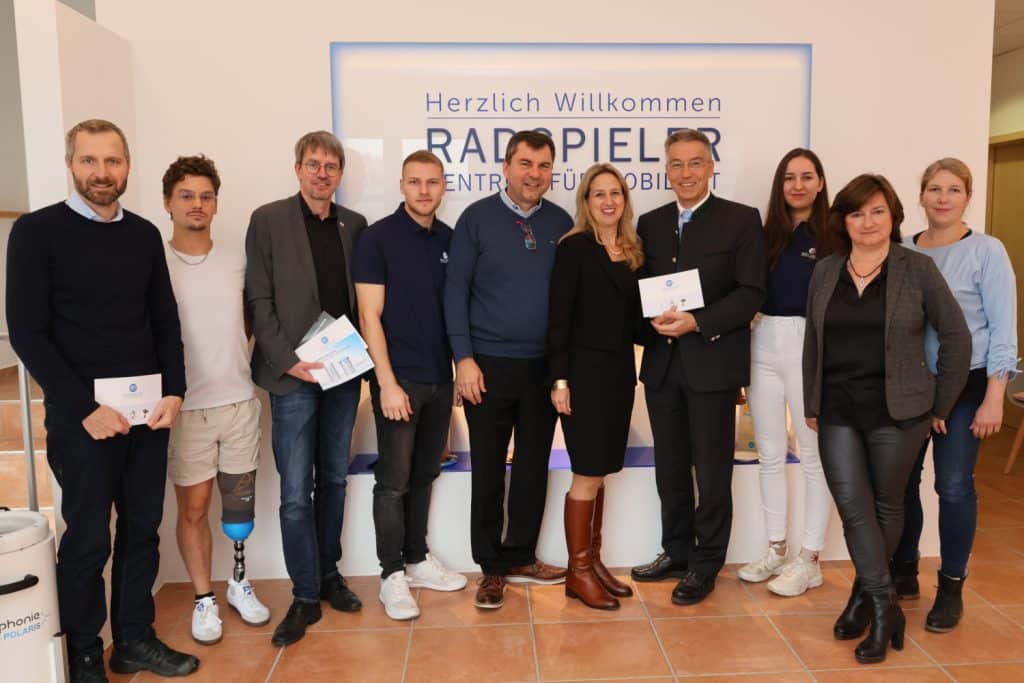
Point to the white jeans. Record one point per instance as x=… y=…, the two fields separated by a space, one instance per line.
x=776 y=380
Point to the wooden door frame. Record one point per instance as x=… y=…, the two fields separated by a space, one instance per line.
x=993 y=142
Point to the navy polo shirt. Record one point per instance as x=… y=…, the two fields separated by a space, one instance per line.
x=410 y=261
x=789 y=280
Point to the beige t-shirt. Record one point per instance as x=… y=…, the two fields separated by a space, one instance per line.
x=209 y=291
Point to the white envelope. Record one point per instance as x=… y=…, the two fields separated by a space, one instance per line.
x=341 y=350
x=134 y=397
x=660 y=293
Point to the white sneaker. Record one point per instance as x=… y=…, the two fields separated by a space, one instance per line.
x=768 y=566
x=242 y=597
x=796 y=577
x=433 y=575
x=398 y=601
x=206 y=628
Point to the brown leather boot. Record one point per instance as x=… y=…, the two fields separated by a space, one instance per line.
x=607 y=579
x=581 y=582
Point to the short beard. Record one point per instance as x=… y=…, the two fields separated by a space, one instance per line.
x=82 y=189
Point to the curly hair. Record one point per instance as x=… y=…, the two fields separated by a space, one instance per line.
x=198 y=165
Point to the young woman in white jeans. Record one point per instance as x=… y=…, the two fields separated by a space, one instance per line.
x=794 y=227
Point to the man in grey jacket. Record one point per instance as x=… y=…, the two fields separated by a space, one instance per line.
x=298 y=251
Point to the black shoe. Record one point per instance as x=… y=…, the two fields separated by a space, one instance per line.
x=949 y=605
x=887 y=625
x=662 y=567
x=87 y=665
x=855 y=617
x=151 y=655
x=904 y=579
x=293 y=626
x=692 y=589
x=334 y=590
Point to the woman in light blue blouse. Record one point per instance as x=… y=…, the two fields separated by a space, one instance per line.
x=978 y=271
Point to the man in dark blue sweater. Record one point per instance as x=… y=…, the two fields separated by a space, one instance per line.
x=89 y=297
x=496 y=310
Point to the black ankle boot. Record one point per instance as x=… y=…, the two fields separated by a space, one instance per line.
x=904 y=579
x=949 y=605
x=887 y=625
x=855 y=618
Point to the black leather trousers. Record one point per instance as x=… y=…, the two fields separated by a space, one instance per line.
x=867 y=473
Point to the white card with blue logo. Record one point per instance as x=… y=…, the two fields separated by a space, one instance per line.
x=133 y=397
x=341 y=350
x=662 y=292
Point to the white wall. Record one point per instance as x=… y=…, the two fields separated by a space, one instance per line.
x=895 y=84
x=1008 y=93
x=86 y=47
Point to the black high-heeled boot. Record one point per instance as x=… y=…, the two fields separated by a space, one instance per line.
x=887 y=626
x=855 y=617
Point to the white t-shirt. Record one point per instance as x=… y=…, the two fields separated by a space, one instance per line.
x=209 y=291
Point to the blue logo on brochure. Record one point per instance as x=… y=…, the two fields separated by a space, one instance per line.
x=133 y=388
x=323 y=340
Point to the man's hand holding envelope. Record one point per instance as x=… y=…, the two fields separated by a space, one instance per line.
x=667 y=300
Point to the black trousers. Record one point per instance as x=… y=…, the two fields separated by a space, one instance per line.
x=693 y=432
x=409 y=462
x=518 y=400
x=128 y=472
x=867 y=472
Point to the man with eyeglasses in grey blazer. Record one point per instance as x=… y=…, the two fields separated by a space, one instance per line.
x=298 y=254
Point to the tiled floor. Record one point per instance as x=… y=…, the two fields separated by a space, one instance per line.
x=741 y=634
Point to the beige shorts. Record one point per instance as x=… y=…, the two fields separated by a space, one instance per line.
x=210 y=440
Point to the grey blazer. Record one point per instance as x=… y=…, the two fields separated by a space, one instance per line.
x=281 y=292
x=916 y=295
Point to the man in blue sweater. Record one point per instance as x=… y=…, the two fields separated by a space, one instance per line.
x=496 y=310
x=88 y=298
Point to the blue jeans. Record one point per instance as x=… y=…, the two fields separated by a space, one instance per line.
x=312 y=439
x=955 y=454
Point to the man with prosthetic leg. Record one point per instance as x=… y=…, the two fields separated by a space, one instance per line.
x=218 y=432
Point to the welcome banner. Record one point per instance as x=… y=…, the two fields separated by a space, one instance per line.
x=599 y=102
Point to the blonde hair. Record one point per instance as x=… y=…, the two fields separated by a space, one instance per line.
x=628 y=239
x=951 y=164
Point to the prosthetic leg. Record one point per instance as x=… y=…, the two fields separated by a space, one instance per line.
x=238 y=497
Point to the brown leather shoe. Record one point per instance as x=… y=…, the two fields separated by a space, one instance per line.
x=582 y=583
x=491 y=591
x=538 y=572
x=607 y=579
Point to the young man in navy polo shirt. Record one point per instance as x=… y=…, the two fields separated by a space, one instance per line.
x=399 y=271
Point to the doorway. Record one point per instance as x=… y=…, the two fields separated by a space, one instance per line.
x=1005 y=221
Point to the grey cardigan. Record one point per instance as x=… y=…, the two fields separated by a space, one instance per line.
x=916 y=295
x=281 y=291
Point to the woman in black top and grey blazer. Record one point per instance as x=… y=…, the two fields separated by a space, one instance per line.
x=868 y=391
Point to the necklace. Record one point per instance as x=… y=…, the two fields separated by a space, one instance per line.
x=862 y=279
x=186 y=261
x=611 y=247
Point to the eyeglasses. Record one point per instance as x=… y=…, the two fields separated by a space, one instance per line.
x=188 y=196
x=330 y=168
x=692 y=164
x=529 y=241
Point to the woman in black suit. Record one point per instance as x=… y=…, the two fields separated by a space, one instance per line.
x=594 y=316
